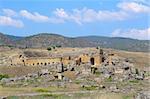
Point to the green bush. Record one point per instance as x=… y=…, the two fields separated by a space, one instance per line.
x=49 y=48
x=12 y=97
x=58 y=46
x=55 y=96
x=42 y=90
x=137 y=71
x=97 y=47
x=53 y=47
x=127 y=97
x=109 y=79
x=134 y=81
x=77 y=81
x=3 y=76
x=98 y=73
x=90 y=88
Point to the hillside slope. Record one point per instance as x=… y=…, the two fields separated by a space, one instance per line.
x=5 y=40
x=45 y=40
x=119 y=43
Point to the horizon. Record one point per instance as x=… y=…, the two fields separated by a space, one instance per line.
x=75 y=36
x=119 y=18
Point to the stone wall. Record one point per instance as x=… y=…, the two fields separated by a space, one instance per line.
x=94 y=59
x=42 y=61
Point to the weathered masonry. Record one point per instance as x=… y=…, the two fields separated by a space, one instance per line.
x=95 y=59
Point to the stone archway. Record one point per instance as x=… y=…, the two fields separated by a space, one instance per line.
x=80 y=60
x=92 y=60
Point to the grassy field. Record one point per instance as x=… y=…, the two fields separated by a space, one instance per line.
x=18 y=71
x=140 y=59
x=8 y=91
x=76 y=96
x=51 y=93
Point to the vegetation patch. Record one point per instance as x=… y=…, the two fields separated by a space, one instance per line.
x=13 y=97
x=55 y=96
x=42 y=90
x=98 y=73
x=53 y=47
x=147 y=74
x=109 y=79
x=127 y=96
x=77 y=81
x=90 y=88
x=3 y=76
x=134 y=81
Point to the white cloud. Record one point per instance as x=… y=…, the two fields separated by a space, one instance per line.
x=61 y=13
x=86 y=15
x=8 y=21
x=137 y=1
x=134 y=7
x=35 y=16
x=108 y=15
x=143 y=34
x=39 y=18
x=9 y=12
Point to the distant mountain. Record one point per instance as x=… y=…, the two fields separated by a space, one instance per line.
x=14 y=38
x=5 y=40
x=119 y=43
x=42 y=40
x=45 y=40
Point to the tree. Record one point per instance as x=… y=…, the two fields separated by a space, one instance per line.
x=58 y=46
x=49 y=48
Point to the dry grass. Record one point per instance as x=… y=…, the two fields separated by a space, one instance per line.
x=7 y=91
x=19 y=71
x=70 y=74
x=140 y=59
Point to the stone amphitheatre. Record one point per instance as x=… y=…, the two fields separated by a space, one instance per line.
x=37 y=58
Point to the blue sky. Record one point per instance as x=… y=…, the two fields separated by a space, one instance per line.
x=121 y=18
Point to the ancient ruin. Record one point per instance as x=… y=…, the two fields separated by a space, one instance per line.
x=78 y=68
x=94 y=59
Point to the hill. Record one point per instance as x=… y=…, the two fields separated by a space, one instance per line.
x=5 y=40
x=14 y=38
x=127 y=44
x=45 y=40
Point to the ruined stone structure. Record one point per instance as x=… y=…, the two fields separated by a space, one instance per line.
x=95 y=59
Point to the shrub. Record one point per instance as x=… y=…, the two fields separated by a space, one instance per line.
x=137 y=71
x=90 y=88
x=97 y=47
x=42 y=90
x=109 y=79
x=134 y=81
x=3 y=76
x=49 y=48
x=58 y=46
x=127 y=97
x=55 y=96
x=53 y=47
x=98 y=73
